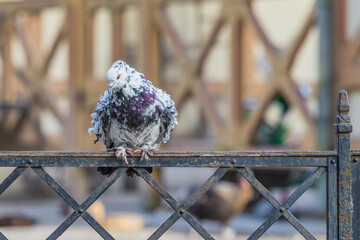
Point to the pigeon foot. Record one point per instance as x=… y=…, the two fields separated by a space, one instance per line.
x=120 y=152
x=146 y=154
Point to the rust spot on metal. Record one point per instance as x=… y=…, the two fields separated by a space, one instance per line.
x=345 y=184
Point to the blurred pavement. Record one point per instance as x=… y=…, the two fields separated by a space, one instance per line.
x=48 y=216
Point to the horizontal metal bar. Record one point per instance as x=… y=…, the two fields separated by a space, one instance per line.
x=161 y=154
x=167 y=159
x=355 y=152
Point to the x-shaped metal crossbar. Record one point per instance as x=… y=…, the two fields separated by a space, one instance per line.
x=181 y=210
x=80 y=210
x=281 y=209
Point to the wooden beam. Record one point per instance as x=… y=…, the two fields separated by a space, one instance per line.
x=118 y=38
x=299 y=39
x=237 y=78
x=150 y=43
x=75 y=127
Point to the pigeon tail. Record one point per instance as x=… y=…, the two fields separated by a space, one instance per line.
x=107 y=171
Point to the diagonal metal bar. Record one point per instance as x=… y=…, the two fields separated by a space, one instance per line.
x=286 y=205
x=281 y=209
x=80 y=209
x=11 y=178
x=165 y=226
x=219 y=173
x=93 y=197
x=265 y=226
x=96 y=226
x=197 y=226
x=258 y=186
x=287 y=214
x=55 y=186
x=303 y=187
x=2 y=237
x=297 y=225
x=158 y=188
x=102 y=188
x=177 y=207
x=63 y=226
x=167 y=197
x=196 y=196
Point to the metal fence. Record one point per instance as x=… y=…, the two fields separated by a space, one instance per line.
x=341 y=167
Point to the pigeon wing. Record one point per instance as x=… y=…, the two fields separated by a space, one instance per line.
x=168 y=114
x=101 y=121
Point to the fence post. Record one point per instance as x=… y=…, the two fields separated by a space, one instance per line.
x=346 y=207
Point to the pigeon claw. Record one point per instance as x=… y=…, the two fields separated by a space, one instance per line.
x=125 y=160
x=121 y=153
x=130 y=152
x=144 y=156
x=118 y=153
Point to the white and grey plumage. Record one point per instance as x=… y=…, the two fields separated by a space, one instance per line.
x=132 y=115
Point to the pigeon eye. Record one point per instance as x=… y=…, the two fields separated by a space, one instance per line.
x=118 y=76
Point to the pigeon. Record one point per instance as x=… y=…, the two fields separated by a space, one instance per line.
x=132 y=115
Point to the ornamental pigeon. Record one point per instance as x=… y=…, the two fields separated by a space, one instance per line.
x=132 y=115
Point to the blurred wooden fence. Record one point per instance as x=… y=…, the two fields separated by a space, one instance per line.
x=30 y=83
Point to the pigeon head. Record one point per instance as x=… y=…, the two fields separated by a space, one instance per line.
x=117 y=74
x=122 y=77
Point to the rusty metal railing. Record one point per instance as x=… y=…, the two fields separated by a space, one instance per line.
x=340 y=166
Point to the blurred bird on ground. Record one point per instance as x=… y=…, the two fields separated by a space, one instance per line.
x=223 y=202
